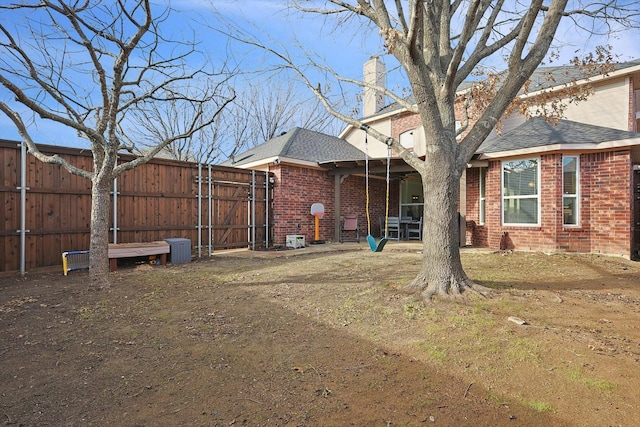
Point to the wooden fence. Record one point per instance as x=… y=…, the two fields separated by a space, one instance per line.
x=215 y=207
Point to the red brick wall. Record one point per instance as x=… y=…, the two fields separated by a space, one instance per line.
x=297 y=188
x=577 y=238
x=605 y=201
x=403 y=123
x=608 y=178
x=605 y=208
x=493 y=205
x=353 y=201
x=476 y=233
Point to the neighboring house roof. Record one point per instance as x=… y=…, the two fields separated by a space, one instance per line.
x=298 y=146
x=541 y=79
x=394 y=106
x=549 y=77
x=538 y=135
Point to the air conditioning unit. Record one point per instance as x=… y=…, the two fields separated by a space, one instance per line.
x=180 y=250
x=295 y=241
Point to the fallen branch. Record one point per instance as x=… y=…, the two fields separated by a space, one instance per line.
x=467 y=390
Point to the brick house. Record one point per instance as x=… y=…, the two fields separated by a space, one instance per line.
x=312 y=167
x=562 y=188
x=573 y=187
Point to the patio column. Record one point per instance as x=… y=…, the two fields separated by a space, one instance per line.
x=336 y=216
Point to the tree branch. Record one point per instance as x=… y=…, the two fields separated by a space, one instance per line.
x=33 y=149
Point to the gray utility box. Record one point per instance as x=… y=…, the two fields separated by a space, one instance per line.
x=180 y=250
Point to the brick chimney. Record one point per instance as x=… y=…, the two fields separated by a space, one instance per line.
x=375 y=74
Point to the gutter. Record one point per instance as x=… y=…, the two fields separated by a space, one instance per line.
x=601 y=146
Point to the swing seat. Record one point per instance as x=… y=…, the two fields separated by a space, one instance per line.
x=376 y=246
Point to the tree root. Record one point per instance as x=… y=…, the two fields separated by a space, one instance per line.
x=481 y=290
x=415 y=285
x=452 y=290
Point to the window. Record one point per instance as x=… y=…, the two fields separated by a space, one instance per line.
x=406 y=139
x=411 y=203
x=570 y=186
x=483 y=182
x=458 y=126
x=520 y=192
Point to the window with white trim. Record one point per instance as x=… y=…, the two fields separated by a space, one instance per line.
x=406 y=139
x=483 y=182
x=458 y=126
x=570 y=190
x=520 y=192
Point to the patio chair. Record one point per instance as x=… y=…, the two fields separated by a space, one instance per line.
x=394 y=228
x=349 y=225
x=404 y=223
x=414 y=230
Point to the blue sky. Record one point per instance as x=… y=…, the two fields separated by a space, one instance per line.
x=349 y=47
x=345 y=49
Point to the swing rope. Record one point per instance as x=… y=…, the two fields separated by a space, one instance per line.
x=386 y=209
x=366 y=174
x=376 y=247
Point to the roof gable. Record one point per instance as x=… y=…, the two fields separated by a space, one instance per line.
x=299 y=144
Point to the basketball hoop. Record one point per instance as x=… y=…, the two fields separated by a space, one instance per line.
x=317 y=210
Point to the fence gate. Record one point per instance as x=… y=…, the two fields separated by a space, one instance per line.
x=47 y=211
x=234 y=209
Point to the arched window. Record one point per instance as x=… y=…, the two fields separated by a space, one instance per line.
x=406 y=139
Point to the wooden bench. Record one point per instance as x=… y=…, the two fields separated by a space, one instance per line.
x=130 y=250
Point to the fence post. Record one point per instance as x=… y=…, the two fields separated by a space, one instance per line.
x=23 y=208
x=266 y=209
x=199 y=226
x=209 y=210
x=253 y=210
x=115 y=207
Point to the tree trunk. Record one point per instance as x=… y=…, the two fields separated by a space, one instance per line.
x=441 y=272
x=99 y=246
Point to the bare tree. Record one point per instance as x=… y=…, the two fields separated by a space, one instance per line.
x=267 y=109
x=88 y=66
x=260 y=111
x=161 y=121
x=440 y=44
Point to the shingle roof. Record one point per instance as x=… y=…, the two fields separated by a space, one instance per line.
x=537 y=132
x=546 y=77
x=542 y=78
x=300 y=144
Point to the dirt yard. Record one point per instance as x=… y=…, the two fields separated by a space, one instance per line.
x=324 y=338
